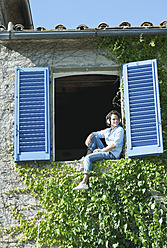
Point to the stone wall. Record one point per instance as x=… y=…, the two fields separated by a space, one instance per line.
x=58 y=54
x=55 y=54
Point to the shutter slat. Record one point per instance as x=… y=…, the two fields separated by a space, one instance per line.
x=142 y=109
x=32 y=132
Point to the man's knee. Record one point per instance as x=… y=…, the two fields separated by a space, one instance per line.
x=87 y=157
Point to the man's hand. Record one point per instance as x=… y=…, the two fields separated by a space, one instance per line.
x=97 y=150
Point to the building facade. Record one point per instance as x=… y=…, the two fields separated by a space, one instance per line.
x=80 y=79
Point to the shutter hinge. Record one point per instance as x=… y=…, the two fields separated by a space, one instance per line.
x=17 y=131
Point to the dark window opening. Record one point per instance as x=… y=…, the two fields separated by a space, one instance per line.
x=81 y=105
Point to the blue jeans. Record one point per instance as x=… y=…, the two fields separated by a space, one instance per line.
x=96 y=143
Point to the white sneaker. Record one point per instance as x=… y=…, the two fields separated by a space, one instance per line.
x=81 y=159
x=82 y=186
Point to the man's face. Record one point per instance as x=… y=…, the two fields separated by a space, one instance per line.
x=114 y=121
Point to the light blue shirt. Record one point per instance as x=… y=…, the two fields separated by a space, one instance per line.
x=114 y=137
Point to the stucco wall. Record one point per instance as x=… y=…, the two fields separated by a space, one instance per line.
x=55 y=54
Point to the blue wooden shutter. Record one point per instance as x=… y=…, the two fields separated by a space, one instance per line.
x=142 y=109
x=32 y=114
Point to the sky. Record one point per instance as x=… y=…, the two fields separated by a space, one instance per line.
x=71 y=13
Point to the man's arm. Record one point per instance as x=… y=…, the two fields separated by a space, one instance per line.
x=88 y=140
x=106 y=149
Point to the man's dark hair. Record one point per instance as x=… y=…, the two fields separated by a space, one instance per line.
x=108 y=116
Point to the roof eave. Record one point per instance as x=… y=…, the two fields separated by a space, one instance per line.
x=77 y=34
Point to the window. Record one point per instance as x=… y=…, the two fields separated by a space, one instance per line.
x=142 y=109
x=81 y=102
x=32 y=115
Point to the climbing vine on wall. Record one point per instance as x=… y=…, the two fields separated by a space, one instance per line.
x=130 y=49
x=126 y=205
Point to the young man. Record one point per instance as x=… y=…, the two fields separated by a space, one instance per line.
x=97 y=151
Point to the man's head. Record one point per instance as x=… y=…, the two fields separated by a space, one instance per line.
x=113 y=118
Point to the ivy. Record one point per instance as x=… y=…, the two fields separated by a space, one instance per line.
x=126 y=204
x=117 y=211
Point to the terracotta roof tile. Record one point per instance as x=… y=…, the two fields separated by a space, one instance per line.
x=102 y=26
x=60 y=27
